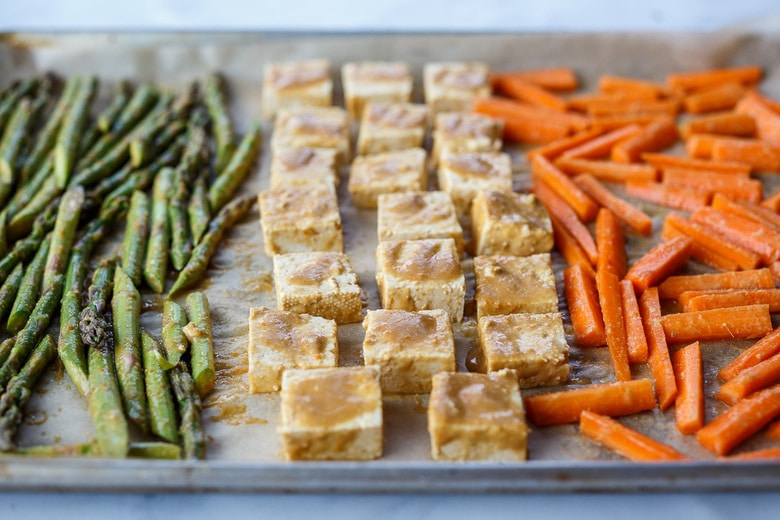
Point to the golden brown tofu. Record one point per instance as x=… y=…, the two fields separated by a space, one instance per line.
x=507 y=223
x=387 y=127
x=464 y=175
x=375 y=81
x=391 y=172
x=296 y=84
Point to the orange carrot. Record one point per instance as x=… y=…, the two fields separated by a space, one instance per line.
x=627 y=107
x=751 y=380
x=622 y=85
x=526 y=123
x=561 y=78
x=636 y=342
x=659 y=263
x=772 y=202
x=582 y=101
x=552 y=150
x=655 y=136
x=763 y=349
x=745 y=322
x=741 y=421
x=721 y=123
x=751 y=235
x=705 y=78
x=701 y=253
x=544 y=171
x=661 y=161
x=773 y=104
x=562 y=212
x=767 y=121
x=657 y=349
x=607 y=170
x=610 y=243
x=674 y=286
x=774 y=267
x=766 y=453
x=611 y=399
x=712 y=99
x=773 y=431
x=583 y=302
x=728 y=185
x=748 y=210
x=760 y=155
x=627 y=442
x=601 y=146
x=704 y=300
x=676 y=197
x=523 y=90
x=689 y=405
x=609 y=123
x=700 y=146
x=569 y=248
x=635 y=218
x=608 y=287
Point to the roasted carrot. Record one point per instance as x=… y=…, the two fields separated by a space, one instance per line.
x=751 y=380
x=701 y=253
x=529 y=124
x=523 y=90
x=611 y=399
x=562 y=212
x=741 y=421
x=699 y=146
x=546 y=172
x=569 y=248
x=626 y=442
x=583 y=301
x=766 y=453
x=654 y=137
x=608 y=287
x=762 y=350
x=552 y=150
x=582 y=101
x=609 y=123
x=744 y=322
x=628 y=107
x=773 y=431
x=611 y=244
x=607 y=170
x=728 y=185
x=774 y=267
x=722 y=123
x=751 y=235
x=676 y=197
x=560 y=78
x=772 y=202
x=660 y=262
x=622 y=85
x=657 y=349
x=602 y=145
x=632 y=216
x=704 y=300
x=704 y=78
x=748 y=210
x=674 y=286
x=661 y=161
x=773 y=104
x=760 y=155
x=713 y=99
x=636 y=342
x=689 y=405
x=767 y=121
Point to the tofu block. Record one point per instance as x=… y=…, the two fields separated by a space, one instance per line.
x=464 y=175
x=331 y=414
x=281 y=340
x=416 y=275
x=533 y=345
x=375 y=81
x=318 y=283
x=303 y=167
x=300 y=219
x=409 y=348
x=465 y=132
x=477 y=417
x=314 y=127
x=387 y=127
x=451 y=87
x=418 y=215
x=296 y=84
x=507 y=223
x=512 y=284
x=391 y=172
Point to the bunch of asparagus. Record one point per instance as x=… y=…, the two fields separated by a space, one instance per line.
x=66 y=179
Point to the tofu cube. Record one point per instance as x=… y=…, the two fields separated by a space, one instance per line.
x=512 y=284
x=387 y=127
x=318 y=283
x=507 y=223
x=416 y=275
x=296 y=84
x=533 y=345
x=451 y=87
x=409 y=348
x=315 y=127
x=300 y=219
x=281 y=340
x=463 y=175
x=391 y=172
x=372 y=81
x=303 y=167
x=331 y=414
x=477 y=417
x=465 y=132
x=418 y=215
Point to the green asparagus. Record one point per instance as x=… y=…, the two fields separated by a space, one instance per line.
x=236 y=171
x=198 y=332
x=63 y=236
x=136 y=235
x=30 y=188
x=222 y=126
x=156 y=262
x=107 y=118
x=193 y=440
x=29 y=289
x=175 y=343
x=13 y=139
x=17 y=93
x=69 y=137
x=198 y=210
x=9 y=290
x=162 y=413
x=5 y=349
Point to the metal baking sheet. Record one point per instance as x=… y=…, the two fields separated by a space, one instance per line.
x=243 y=446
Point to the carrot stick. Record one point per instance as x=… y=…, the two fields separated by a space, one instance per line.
x=705 y=300
x=525 y=123
x=636 y=342
x=751 y=235
x=659 y=263
x=523 y=90
x=661 y=161
x=774 y=267
x=700 y=146
x=744 y=322
x=632 y=216
x=712 y=99
x=610 y=243
x=627 y=107
x=608 y=287
x=552 y=150
x=657 y=348
x=655 y=136
x=748 y=210
x=721 y=123
x=561 y=78
x=611 y=399
x=767 y=120
x=766 y=453
x=701 y=253
x=570 y=250
x=583 y=301
x=601 y=146
x=705 y=78
x=741 y=421
x=751 y=380
x=772 y=202
x=689 y=405
x=582 y=101
x=728 y=185
x=544 y=171
x=674 y=286
x=627 y=442
x=621 y=85
x=773 y=431
x=562 y=212
x=760 y=155
x=609 y=123
x=762 y=350
x=676 y=197
x=608 y=171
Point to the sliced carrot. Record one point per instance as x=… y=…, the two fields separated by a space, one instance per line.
x=674 y=286
x=773 y=431
x=745 y=322
x=763 y=349
x=676 y=197
x=552 y=150
x=627 y=442
x=657 y=349
x=689 y=405
x=766 y=453
x=636 y=342
x=544 y=171
x=767 y=120
x=660 y=262
x=525 y=123
x=748 y=210
x=628 y=107
x=632 y=216
x=728 y=185
x=661 y=161
x=751 y=235
x=704 y=300
x=618 y=84
x=523 y=90
x=611 y=399
x=583 y=302
x=608 y=287
x=582 y=101
x=772 y=202
x=608 y=171
x=741 y=421
x=774 y=267
x=562 y=212
x=722 y=123
x=699 y=146
x=760 y=155
x=654 y=137
x=560 y=78
x=609 y=123
x=713 y=99
x=701 y=253
x=569 y=248
x=602 y=145
x=751 y=380
x=611 y=244
x=705 y=78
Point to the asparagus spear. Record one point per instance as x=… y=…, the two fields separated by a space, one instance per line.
x=5 y=349
x=9 y=290
x=136 y=235
x=198 y=210
x=222 y=126
x=63 y=235
x=92 y=322
x=30 y=188
x=69 y=137
x=194 y=442
x=174 y=341
x=139 y=450
x=236 y=171
x=198 y=332
x=25 y=248
x=17 y=92
x=162 y=414
x=28 y=292
x=3 y=233
x=13 y=138
x=21 y=223
x=156 y=262
x=109 y=116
